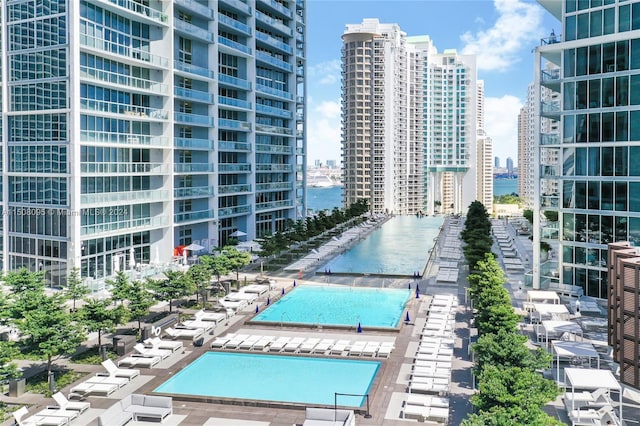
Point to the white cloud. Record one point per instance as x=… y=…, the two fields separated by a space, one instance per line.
x=501 y=124
x=326 y=73
x=323 y=131
x=518 y=25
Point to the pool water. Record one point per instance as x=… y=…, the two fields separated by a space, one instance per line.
x=338 y=306
x=262 y=377
x=399 y=247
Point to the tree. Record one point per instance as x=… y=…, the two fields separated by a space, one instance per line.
x=236 y=260
x=511 y=416
x=120 y=287
x=24 y=280
x=498 y=317
x=140 y=300
x=50 y=331
x=528 y=214
x=8 y=369
x=76 y=289
x=551 y=215
x=508 y=350
x=218 y=265
x=200 y=276
x=100 y=316
x=176 y=285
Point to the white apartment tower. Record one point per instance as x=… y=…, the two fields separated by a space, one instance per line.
x=408 y=121
x=484 y=154
x=131 y=128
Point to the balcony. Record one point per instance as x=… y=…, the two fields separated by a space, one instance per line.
x=274 y=149
x=286 y=168
x=279 y=112
x=234 y=24
x=119 y=198
x=237 y=5
x=549 y=139
x=195 y=119
x=194 y=192
x=547 y=171
x=126 y=168
x=274 y=92
x=551 y=79
x=193 y=31
x=234 y=211
x=550 y=231
x=234 y=189
x=196 y=7
x=550 y=201
x=550 y=110
x=227 y=80
x=96 y=137
x=271 y=60
x=274 y=205
x=140 y=224
x=274 y=24
x=192 y=168
x=271 y=41
x=277 y=7
x=234 y=168
x=193 y=95
x=225 y=123
x=234 y=102
x=193 y=69
x=274 y=186
x=265 y=128
x=103 y=46
x=238 y=47
x=200 y=215
x=234 y=146
x=192 y=143
x=117 y=79
x=135 y=10
x=123 y=109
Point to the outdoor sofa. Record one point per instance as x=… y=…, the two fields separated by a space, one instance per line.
x=329 y=417
x=135 y=407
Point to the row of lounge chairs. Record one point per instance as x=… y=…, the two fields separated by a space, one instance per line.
x=302 y=345
x=431 y=368
x=150 y=353
x=56 y=415
x=104 y=384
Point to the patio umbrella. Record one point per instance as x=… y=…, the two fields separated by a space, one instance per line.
x=282 y=290
x=417 y=287
x=407 y=318
x=294 y=283
x=409 y=286
x=257 y=309
x=237 y=234
x=194 y=247
x=268 y=300
x=417 y=293
x=359 y=328
x=132 y=258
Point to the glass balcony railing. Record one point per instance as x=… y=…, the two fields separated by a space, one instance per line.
x=274 y=42
x=549 y=171
x=196 y=119
x=267 y=58
x=94 y=74
x=193 y=168
x=274 y=23
x=275 y=92
x=126 y=109
x=274 y=168
x=274 y=205
x=146 y=196
x=234 y=81
x=192 y=143
x=194 y=192
x=550 y=201
x=225 y=100
x=550 y=231
x=195 y=95
x=88 y=136
x=123 y=50
x=551 y=108
x=234 y=124
x=193 y=69
x=235 y=24
x=274 y=186
x=234 y=146
x=549 y=139
x=233 y=211
x=131 y=168
x=274 y=5
x=274 y=149
x=234 y=168
x=196 y=7
x=140 y=9
x=550 y=76
x=141 y=224
x=238 y=5
x=193 y=30
x=265 y=128
x=193 y=216
x=265 y=109
x=234 y=189
x=234 y=45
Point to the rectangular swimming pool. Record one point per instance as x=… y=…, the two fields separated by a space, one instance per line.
x=274 y=378
x=338 y=306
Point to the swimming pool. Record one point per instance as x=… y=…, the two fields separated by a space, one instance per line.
x=280 y=378
x=338 y=306
x=399 y=247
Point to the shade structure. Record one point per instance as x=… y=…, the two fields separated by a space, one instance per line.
x=194 y=247
x=237 y=234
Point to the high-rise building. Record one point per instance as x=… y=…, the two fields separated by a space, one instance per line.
x=496 y=162
x=409 y=121
x=484 y=148
x=131 y=128
x=590 y=160
x=509 y=165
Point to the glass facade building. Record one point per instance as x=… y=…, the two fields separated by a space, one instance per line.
x=131 y=127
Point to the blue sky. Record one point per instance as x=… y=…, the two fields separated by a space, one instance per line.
x=502 y=33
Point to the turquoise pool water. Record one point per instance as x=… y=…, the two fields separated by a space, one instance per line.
x=338 y=305
x=399 y=247
x=262 y=377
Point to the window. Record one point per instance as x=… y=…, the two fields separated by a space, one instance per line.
x=184 y=50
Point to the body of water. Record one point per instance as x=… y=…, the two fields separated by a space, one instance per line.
x=505 y=186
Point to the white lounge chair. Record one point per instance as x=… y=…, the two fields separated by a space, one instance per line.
x=65 y=404
x=37 y=420
x=434 y=385
x=262 y=344
x=105 y=378
x=140 y=361
x=340 y=347
x=371 y=349
x=357 y=348
x=591 y=416
x=247 y=344
x=85 y=389
x=309 y=345
x=323 y=346
x=69 y=415
x=423 y=413
x=207 y=326
x=294 y=344
x=221 y=341
x=162 y=353
x=385 y=349
x=236 y=341
x=279 y=344
x=441 y=373
x=184 y=333
x=215 y=317
x=115 y=371
x=158 y=343
x=427 y=400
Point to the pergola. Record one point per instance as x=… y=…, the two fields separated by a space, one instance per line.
x=591 y=379
x=569 y=349
x=543 y=296
x=546 y=311
x=553 y=328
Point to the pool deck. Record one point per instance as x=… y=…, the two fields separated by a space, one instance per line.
x=387 y=392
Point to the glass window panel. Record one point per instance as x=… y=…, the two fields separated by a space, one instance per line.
x=610 y=20
x=606 y=203
x=621 y=228
x=581 y=227
x=568 y=163
x=635 y=16
x=582 y=59
x=570 y=62
x=581 y=94
x=568 y=128
x=594 y=93
x=608 y=96
x=635 y=54
x=570 y=6
x=622 y=126
x=594 y=161
x=622 y=91
x=596 y=23
x=607 y=161
x=634 y=89
x=583 y=26
x=624 y=18
x=581 y=255
x=634 y=167
x=620 y=196
x=595 y=59
x=568 y=232
x=609 y=57
x=621 y=160
x=581 y=127
x=607 y=126
x=594 y=195
x=581 y=161
x=567 y=254
x=606 y=226
x=634 y=231
x=583 y=4
x=569 y=96
x=634 y=197
x=570 y=28
x=622 y=55
x=634 y=128
x=581 y=195
x=567 y=194
x=594 y=127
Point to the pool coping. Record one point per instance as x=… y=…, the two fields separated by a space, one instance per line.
x=315 y=326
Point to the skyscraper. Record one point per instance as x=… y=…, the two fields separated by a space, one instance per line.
x=509 y=163
x=131 y=128
x=409 y=121
x=596 y=175
x=496 y=162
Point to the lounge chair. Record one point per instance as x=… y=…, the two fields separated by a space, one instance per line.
x=115 y=371
x=140 y=361
x=590 y=416
x=158 y=343
x=221 y=341
x=262 y=344
x=58 y=412
x=435 y=385
x=37 y=420
x=309 y=345
x=294 y=344
x=427 y=400
x=421 y=358
x=142 y=350
x=65 y=404
x=85 y=389
x=423 y=413
x=385 y=349
x=279 y=344
x=184 y=333
x=371 y=349
x=441 y=373
x=207 y=326
x=323 y=346
x=357 y=348
x=247 y=344
x=215 y=317
x=236 y=341
x=339 y=347
x=105 y=378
